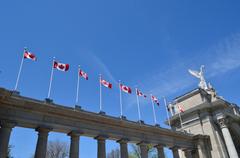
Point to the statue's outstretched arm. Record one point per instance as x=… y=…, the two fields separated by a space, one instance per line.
x=194 y=73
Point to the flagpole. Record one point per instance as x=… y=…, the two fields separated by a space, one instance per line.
x=165 y=101
x=179 y=113
x=100 y=88
x=51 y=78
x=120 y=93
x=20 y=70
x=138 y=103
x=154 y=113
x=77 y=94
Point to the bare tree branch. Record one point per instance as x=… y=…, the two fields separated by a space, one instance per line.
x=57 y=149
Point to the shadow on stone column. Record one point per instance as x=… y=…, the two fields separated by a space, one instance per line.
x=101 y=140
x=203 y=145
x=175 y=152
x=41 y=148
x=160 y=151
x=123 y=147
x=5 y=132
x=232 y=151
x=143 y=149
x=188 y=153
x=74 y=146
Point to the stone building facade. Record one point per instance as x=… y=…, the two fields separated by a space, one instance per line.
x=207 y=113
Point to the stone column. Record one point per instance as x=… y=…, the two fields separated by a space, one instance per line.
x=202 y=146
x=101 y=152
x=74 y=147
x=175 y=152
x=160 y=151
x=228 y=138
x=188 y=153
x=5 y=132
x=235 y=127
x=143 y=149
x=41 y=148
x=123 y=148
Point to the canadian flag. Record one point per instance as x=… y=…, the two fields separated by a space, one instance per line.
x=155 y=99
x=83 y=74
x=139 y=93
x=125 y=89
x=29 y=55
x=105 y=83
x=60 y=66
x=180 y=108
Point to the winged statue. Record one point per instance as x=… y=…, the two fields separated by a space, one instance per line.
x=200 y=76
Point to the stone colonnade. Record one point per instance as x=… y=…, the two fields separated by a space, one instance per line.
x=43 y=132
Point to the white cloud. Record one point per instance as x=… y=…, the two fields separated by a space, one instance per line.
x=219 y=59
x=226 y=56
x=103 y=67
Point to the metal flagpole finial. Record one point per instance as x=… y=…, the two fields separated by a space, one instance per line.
x=136 y=88
x=119 y=82
x=54 y=59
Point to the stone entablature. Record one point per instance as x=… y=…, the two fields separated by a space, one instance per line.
x=191 y=99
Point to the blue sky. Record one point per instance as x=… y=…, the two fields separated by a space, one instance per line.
x=146 y=43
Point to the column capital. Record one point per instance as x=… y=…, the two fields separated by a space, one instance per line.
x=188 y=153
x=43 y=129
x=223 y=122
x=101 y=137
x=7 y=124
x=123 y=141
x=142 y=143
x=188 y=150
x=174 y=148
x=75 y=133
x=159 y=146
